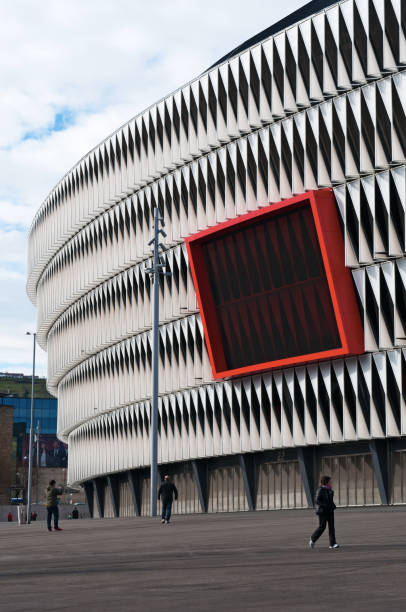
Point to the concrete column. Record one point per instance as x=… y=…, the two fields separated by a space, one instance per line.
x=135 y=483
x=201 y=478
x=307 y=465
x=248 y=468
x=380 y=461
x=99 y=487
x=89 y=492
x=114 y=488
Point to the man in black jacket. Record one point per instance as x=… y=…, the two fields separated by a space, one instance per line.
x=325 y=511
x=167 y=490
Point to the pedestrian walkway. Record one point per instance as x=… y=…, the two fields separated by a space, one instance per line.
x=240 y=562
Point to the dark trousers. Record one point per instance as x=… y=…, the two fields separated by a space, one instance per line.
x=53 y=510
x=323 y=520
x=166 y=510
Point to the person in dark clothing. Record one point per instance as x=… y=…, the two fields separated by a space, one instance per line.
x=167 y=490
x=75 y=513
x=325 y=511
x=57 y=457
x=52 y=493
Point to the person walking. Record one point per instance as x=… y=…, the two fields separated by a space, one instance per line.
x=167 y=490
x=52 y=493
x=325 y=511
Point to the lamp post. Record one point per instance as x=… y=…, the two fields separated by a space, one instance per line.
x=157 y=269
x=30 y=454
x=37 y=430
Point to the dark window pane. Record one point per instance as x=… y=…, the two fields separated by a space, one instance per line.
x=268 y=307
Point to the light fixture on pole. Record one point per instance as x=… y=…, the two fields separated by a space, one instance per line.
x=30 y=454
x=157 y=269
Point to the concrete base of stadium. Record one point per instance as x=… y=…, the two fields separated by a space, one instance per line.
x=239 y=562
x=364 y=473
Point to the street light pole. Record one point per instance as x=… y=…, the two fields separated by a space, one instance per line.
x=155 y=271
x=30 y=454
x=37 y=487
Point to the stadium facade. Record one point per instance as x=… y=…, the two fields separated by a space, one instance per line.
x=280 y=173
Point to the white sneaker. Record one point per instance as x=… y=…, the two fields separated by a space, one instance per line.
x=163 y=521
x=335 y=546
x=311 y=543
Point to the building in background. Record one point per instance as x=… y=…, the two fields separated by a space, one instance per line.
x=7 y=472
x=45 y=414
x=53 y=454
x=17 y=375
x=280 y=174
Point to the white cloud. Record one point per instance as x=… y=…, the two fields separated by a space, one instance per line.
x=101 y=62
x=6 y=275
x=19 y=355
x=15 y=345
x=13 y=245
x=12 y=215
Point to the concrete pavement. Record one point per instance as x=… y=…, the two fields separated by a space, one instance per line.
x=242 y=561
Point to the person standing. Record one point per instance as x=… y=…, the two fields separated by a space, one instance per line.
x=167 y=490
x=325 y=511
x=43 y=457
x=58 y=457
x=52 y=493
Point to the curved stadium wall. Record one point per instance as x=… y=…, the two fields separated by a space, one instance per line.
x=316 y=110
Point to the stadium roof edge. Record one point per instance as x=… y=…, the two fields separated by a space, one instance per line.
x=311 y=8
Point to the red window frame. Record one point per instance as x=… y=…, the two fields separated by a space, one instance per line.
x=340 y=283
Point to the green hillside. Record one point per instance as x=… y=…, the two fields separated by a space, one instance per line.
x=21 y=387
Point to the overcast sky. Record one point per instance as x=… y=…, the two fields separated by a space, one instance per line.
x=71 y=72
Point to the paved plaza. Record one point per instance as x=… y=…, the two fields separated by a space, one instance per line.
x=242 y=561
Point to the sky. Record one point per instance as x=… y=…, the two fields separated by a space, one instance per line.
x=70 y=74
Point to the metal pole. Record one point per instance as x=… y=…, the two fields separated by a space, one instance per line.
x=37 y=489
x=29 y=495
x=155 y=348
